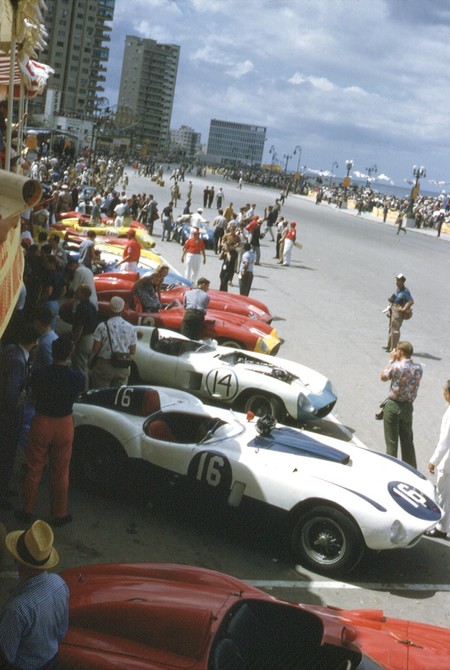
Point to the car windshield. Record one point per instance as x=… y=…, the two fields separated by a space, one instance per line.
x=266 y=635
x=172 y=346
x=189 y=428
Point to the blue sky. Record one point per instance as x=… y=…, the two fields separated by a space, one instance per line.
x=365 y=80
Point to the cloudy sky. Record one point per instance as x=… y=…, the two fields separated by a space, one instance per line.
x=366 y=80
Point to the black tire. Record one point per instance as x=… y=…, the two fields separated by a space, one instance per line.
x=99 y=461
x=261 y=404
x=327 y=541
x=233 y=344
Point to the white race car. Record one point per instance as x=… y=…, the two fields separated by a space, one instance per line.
x=244 y=380
x=336 y=498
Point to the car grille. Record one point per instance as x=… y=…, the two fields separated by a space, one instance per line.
x=325 y=410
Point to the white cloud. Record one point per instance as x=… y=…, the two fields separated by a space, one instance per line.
x=342 y=77
x=240 y=69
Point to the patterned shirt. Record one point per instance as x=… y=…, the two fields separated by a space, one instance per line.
x=122 y=335
x=34 y=621
x=405 y=378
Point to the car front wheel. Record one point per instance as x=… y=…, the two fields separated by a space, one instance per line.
x=327 y=541
x=99 y=461
x=261 y=404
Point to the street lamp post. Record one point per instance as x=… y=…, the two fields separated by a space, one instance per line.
x=334 y=165
x=418 y=173
x=348 y=165
x=370 y=171
x=288 y=158
x=298 y=150
x=273 y=154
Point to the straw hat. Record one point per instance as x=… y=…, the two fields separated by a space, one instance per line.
x=33 y=547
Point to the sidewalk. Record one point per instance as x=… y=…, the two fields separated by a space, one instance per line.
x=431 y=232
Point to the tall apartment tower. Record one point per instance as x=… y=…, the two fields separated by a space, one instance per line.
x=147 y=88
x=78 y=37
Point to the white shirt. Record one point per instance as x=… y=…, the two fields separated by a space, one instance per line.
x=84 y=275
x=122 y=333
x=441 y=456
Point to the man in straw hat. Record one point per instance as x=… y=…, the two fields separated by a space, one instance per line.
x=36 y=617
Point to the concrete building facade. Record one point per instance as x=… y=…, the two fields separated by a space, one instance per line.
x=78 y=37
x=147 y=87
x=185 y=142
x=234 y=144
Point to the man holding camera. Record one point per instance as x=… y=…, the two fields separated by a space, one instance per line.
x=401 y=303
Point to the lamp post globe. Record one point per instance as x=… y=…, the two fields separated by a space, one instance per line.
x=418 y=173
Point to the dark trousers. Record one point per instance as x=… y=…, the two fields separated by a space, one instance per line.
x=245 y=283
x=9 y=439
x=397 y=422
x=192 y=324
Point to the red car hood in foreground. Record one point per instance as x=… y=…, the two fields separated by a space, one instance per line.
x=157 y=616
x=108 y=283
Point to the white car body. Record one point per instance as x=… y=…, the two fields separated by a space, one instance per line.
x=337 y=498
x=240 y=379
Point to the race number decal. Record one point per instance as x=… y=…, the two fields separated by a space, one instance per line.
x=123 y=397
x=414 y=501
x=110 y=232
x=222 y=383
x=211 y=468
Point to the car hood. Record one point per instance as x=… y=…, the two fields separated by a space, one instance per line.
x=153 y=612
x=345 y=467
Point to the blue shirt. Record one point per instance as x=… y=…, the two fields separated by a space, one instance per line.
x=402 y=297
x=43 y=353
x=34 y=621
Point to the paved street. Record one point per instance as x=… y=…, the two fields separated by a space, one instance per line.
x=328 y=308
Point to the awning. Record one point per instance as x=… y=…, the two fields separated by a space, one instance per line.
x=29 y=37
x=30 y=73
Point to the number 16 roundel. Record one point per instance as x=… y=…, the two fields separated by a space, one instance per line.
x=213 y=469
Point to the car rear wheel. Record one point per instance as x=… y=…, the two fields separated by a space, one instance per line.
x=99 y=461
x=233 y=344
x=261 y=404
x=327 y=541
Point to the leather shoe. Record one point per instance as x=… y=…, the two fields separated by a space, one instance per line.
x=436 y=533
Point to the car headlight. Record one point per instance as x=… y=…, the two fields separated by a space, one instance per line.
x=263 y=346
x=304 y=404
x=398 y=533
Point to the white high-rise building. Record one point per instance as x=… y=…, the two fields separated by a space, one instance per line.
x=147 y=88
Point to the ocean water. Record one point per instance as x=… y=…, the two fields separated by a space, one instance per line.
x=396 y=191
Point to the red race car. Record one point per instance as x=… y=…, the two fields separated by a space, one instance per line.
x=108 y=283
x=161 y=616
x=231 y=330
